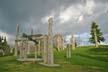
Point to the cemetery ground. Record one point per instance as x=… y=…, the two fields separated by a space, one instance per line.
x=84 y=59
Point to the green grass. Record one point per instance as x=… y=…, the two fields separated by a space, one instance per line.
x=84 y=59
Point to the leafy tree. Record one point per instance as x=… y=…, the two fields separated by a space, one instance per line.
x=3 y=45
x=5 y=42
x=99 y=34
x=0 y=38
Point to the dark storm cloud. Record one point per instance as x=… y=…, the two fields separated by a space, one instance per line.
x=102 y=1
x=20 y=11
x=23 y=11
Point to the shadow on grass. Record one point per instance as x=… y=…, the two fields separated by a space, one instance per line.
x=96 y=57
x=99 y=49
x=102 y=50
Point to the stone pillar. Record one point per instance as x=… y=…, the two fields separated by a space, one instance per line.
x=28 y=50
x=50 y=42
x=42 y=48
x=48 y=53
x=25 y=48
x=58 y=43
x=16 y=41
x=11 y=50
x=45 y=50
x=73 y=42
x=35 y=51
x=28 y=47
x=63 y=44
x=16 y=48
x=39 y=48
x=68 y=51
x=21 y=49
x=95 y=37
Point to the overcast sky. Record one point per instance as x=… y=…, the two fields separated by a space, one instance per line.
x=70 y=16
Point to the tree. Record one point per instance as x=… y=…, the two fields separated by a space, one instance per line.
x=0 y=38
x=96 y=34
x=4 y=47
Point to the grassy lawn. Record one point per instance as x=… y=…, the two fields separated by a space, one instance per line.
x=84 y=59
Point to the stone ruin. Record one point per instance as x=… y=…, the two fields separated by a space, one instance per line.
x=58 y=42
x=43 y=45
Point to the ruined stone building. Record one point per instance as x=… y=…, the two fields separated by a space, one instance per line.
x=58 y=42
